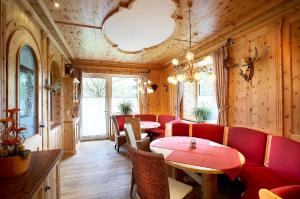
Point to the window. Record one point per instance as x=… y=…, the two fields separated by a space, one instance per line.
x=124 y=89
x=27 y=90
x=200 y=94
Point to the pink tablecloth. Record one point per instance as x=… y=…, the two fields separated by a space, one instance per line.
x=215 y=157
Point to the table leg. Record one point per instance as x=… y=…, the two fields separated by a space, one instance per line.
x=171 y=171
x=209 y=186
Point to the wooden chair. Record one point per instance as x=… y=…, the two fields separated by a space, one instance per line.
x=151 y=177
x=120 y=136
x=135 y=139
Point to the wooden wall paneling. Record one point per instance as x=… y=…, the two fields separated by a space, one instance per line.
x=2 y=57
x=257 y=104
x=291 y=81
x=154 y=99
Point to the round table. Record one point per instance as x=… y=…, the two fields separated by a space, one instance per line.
x=208 y=178
x=149 y=125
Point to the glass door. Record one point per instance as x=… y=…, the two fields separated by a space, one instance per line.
x=94 y=108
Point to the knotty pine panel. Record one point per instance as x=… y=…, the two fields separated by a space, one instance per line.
x=256 y=104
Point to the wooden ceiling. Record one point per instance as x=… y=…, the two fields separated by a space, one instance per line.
x=80 y=22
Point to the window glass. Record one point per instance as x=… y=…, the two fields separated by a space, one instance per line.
x=27 y=91
x=94 y=87
x=124 y=89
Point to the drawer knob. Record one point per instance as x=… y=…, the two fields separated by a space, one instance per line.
x=47 y=188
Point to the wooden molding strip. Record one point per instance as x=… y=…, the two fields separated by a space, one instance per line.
x=78 y=25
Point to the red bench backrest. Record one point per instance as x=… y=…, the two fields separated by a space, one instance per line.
x=180 y=129
x=211 y=132
x=284 y=158
x=146 y=117
x=251 y=143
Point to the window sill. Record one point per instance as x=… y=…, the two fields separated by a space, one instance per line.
x=195 y=121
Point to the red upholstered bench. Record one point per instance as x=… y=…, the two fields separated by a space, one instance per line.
x=211 y=132
x=162 y=119
x=251 y=143
x=180 y=129
x=146 y=117
x=283 y=168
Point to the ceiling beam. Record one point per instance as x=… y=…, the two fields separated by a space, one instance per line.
x=78 y=25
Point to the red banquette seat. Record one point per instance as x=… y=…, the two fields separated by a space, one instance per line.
x=162 y=120
x=180 y=129
x=146 y=117
x=211 y=132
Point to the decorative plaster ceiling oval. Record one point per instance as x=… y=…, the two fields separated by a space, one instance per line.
x=144 y=24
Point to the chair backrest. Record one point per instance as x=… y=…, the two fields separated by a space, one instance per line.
x=163 y=119
x=120 y=121
x=251 y=143
x=211 y=132
x=180 y=129
x=150 y=174
x=284 y=158
x=130 y=135
x=136 y=127
x=146 y=117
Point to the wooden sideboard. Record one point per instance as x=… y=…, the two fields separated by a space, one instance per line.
x=41 y=181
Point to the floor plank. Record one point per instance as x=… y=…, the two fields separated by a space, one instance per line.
x=96 y=171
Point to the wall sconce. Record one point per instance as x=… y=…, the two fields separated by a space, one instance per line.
x=152 y=88
x=69 y=69
x=247 y=67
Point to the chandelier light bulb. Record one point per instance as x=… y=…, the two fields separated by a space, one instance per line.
x=56 y=4
x=175 y=62
x=149 y=82
x=211 y=76
x=197 y=76
x=139 y=81
x=150 y=90
x=189 y=56
x=172 y=80
x=145 y=83
x=181 y=77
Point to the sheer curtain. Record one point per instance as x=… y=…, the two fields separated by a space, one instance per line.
x=179 y=99
x=220 y=57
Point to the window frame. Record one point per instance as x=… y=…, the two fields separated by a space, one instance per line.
x=36 y=78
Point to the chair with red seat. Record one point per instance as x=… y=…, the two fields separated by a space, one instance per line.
x=180 y=129
x=162 y=120
x=286 y=192
x=120 y=136
x=146 y=117
x=211 y=132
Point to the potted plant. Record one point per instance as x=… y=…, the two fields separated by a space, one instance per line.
x=14 y=158
x=202 y=114
x=125 y=108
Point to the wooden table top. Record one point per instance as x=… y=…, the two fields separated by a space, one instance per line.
x=25 y=185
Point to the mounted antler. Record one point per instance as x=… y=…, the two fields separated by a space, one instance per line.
x=247 y=67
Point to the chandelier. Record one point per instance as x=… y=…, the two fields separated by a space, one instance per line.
x=144 y=84
x=190 y=70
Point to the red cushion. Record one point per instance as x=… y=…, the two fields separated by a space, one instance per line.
x=288 y=192
x=163 y=119
x=211 y=132
x=180 y=129
x=261 y=177
x=121 y=121
x=157 y=132
x=251 y=143
x=146 y=117
x=285 y=158
x=249 y=163
x=251 y=193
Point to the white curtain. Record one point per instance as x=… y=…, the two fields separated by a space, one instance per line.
x=220 y=56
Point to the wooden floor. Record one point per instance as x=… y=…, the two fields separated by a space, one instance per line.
x=96 y=171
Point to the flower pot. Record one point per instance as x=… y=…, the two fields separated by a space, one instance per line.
x=14 y=165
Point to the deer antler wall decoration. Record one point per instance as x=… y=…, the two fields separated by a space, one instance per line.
x=247 y=67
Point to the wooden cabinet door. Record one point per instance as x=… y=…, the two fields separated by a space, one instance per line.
x=40 y=193
x=50 y=187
